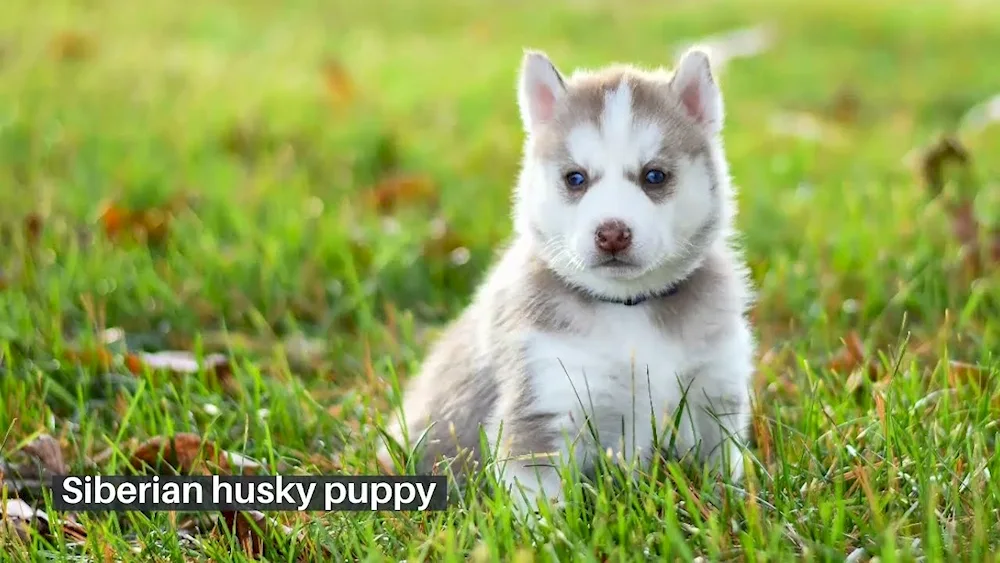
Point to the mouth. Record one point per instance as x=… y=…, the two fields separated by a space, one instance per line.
x=617 y=266
x=616 y=262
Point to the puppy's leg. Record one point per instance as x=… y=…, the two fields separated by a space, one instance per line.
x=719 y=398
x=532 y=452
x=721 y=423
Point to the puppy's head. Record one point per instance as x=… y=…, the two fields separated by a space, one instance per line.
x=624 y=184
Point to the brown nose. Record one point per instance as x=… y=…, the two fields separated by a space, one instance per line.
x=613 y=236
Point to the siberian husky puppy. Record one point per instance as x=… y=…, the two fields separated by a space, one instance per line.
x=621 y=298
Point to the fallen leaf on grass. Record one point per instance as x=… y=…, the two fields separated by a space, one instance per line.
x=150 y=226
x=248 y=528
x=979 y=248
x=24 y=480
x=33 y=228
x=845 y=107
x=401 y=189
x=761 y=430
x=338 y=82
x=851 y=356
x=100 y=358
x=19 y=518
x=851 y=359
x=251 y=528
x=880 y=410
x=71 y=46
x=948 y=150
x=47 y=450
x=182 y=453
x=964 y=225
x=967 y=231
x=960 y=373
x=175 y=362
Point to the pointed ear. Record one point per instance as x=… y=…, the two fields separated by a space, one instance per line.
x=539 y=89
x=695 y=86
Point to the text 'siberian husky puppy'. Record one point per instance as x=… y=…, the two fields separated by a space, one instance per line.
x=621 y=297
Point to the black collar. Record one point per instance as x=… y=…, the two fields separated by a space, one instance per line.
x=632 y=301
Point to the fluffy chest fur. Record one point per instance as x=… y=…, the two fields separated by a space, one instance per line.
x=619 y=375
x=619 y=360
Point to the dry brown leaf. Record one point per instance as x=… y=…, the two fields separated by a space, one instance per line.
x=762 y=433
x=946 y=151
x=980 y=249
x=967 y=231
x=338 y=83
x=183 y=453
x=71 y=46
x=23 y=480
x=74 y=531
x=102 y=457
x=880 y=410
x=250 y=529
x=851 y=356
x=851 y=359
x=964 y=225
x=18 y=517
x=961 y=373
x=845 y=106
x=33 y=228
x=150 y=225
x=401 y=189
x=175 y=362
x=46 y=450
x=98 y=358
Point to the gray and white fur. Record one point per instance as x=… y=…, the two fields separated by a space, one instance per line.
x=624 y=194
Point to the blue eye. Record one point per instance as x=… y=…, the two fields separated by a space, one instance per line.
x=656 y=177
x=575 y=179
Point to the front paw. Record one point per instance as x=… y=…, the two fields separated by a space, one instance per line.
x=529 y=488
x=727 y=461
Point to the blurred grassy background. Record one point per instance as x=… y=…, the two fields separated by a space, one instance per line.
x=317 y=186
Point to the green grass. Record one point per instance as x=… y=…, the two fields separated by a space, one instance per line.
x=223 y=106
